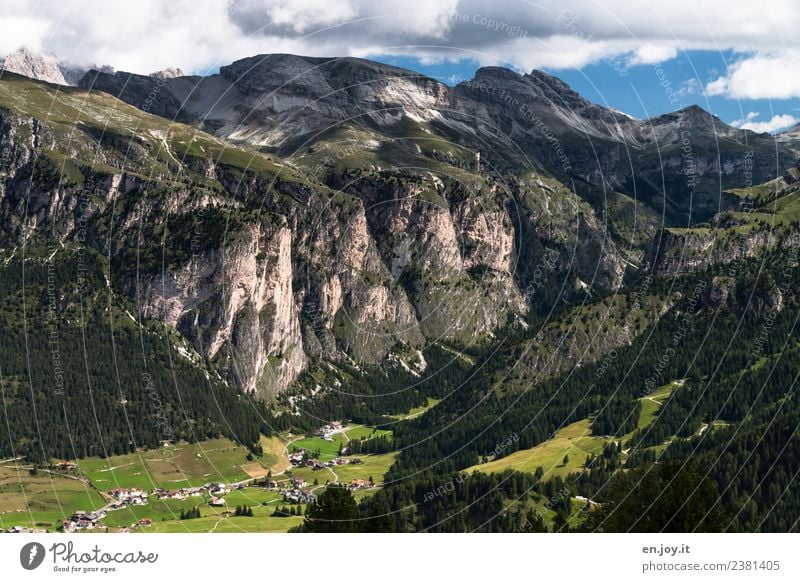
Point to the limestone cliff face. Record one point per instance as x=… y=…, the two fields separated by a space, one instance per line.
x=696 y=249
x=262 y=282
x=351 y=303
x=262 y=272
x=346 y=275
x=238 y=306
x=453 y=256
x=391 y=239
x=565 y=252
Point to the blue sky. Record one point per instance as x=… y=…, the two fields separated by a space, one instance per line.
x=640 y=90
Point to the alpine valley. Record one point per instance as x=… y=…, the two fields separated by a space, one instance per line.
x=495 y=306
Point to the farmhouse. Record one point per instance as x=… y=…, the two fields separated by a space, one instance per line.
x=360 y=484
x=130 y=496
x=296 y=458
x=326 y=431
x=177 y=494
x=298 y=496
x=82 y=520
x=218 y=489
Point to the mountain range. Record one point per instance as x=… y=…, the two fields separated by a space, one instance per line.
x=450 y=197
x=291 y=227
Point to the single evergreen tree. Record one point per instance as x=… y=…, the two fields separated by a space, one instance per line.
x=334 y=511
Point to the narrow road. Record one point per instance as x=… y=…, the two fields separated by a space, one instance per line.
x=321 y=485
x=335 y=476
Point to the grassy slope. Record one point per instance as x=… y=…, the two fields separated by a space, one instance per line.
x=416 y=411
x=374 y=466
x=330 y=449
x=41 y=501
x=177 y=466
x=574 y=440
x=78 y=116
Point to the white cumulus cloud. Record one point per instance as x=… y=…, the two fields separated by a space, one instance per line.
x=198 y=35
x=761 y=76
x=777 y=123
x=650 y=54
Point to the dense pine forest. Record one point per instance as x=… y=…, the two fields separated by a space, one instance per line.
x=80 y=378
x=745 y=395
x=741 y=471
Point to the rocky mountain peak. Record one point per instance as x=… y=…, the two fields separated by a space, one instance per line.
x=35 y=66
x=552 y=84
x=497 y=74
x=703 y=127
x=281 y=100
x=168 y=73
x=794 y=130
x=690 y=114
x=311 y=75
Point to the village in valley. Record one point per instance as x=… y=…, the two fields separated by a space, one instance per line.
x=161 y=490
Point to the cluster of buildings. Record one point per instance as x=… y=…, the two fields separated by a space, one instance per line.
x=83 y=520
x=317 y=465
x=298 y=496
x=360 y=484
x=326 y=432
x=131 y=496
x=294 y=490
x=177 y=494
x=215 y=489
